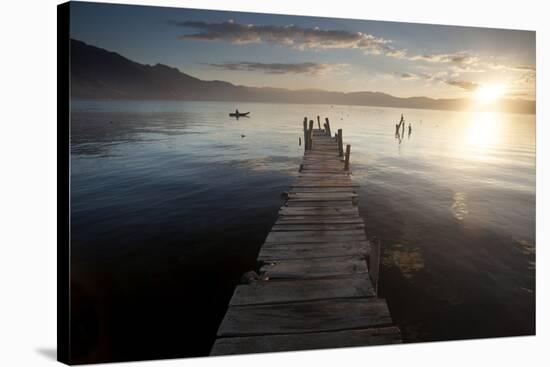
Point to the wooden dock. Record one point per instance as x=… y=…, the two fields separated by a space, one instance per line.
x=314 y=289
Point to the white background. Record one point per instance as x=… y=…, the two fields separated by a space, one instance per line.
x=28 y=183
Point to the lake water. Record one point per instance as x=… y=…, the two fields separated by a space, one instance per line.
x=171 y=201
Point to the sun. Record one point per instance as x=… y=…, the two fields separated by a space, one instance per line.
x=489 y=93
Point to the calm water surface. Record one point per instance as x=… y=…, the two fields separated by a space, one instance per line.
x=172 y=200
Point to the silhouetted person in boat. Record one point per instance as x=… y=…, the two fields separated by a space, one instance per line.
x=410 y=129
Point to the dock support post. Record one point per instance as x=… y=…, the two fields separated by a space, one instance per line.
x=319 y=122
x=305 y=134
x=374 y=263
x=340 y=143
x=328 y=127
x=348 y=151
x=310 y=134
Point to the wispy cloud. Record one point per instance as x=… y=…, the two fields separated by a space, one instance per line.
x=516 y=94
x=496 y=66
x=308 y=68
x=442 y=77
x=289 y=36
x=528 y=78
x=524 y=68
x=460 y=58
x=407 y=76
x=527 y=73
x=464 y=84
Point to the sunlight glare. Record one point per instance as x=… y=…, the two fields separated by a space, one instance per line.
x=483 y=132
x=489 y=93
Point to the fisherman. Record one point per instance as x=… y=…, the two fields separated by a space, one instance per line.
x=410 y=129
x=237 y=112
x=396 y=130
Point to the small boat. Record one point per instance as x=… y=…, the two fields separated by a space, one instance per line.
x=240 y=114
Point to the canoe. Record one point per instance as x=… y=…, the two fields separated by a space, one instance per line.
x=241 y=114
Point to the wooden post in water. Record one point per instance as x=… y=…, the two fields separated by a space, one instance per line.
x=374 y=264
x=310 y=134
x=305 y=133
x=328 y=127
x=348 y=151
x=340 y=143
x=319 y=122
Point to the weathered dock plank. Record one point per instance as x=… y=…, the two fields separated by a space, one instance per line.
x=262 y=292
x=318 y=220
x=321 y=189
x=324 y=184
x=270 y=253
x=314 y=268
x=305 y=317
x=294 y=342
x=315 y=236
x=322 y=195
x=317 y=227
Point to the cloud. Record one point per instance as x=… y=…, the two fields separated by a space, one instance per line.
x=439 y=76
x=291 y=36
x=464 y=84
x=308 y=68
x=460 y=59
x=520 y=68
x=529 y=77
x=442 y=77
x=516 y=94
x=524 y=68
x=407 y=76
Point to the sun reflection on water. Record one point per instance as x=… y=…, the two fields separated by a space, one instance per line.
x=459 y=207
x=482 y=134
x=483 y=131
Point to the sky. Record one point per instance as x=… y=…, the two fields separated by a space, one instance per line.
x=297 y=52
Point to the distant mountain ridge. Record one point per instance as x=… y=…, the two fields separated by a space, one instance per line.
x=100 y=74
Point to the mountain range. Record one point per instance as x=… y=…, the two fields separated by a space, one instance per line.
x=100 y=74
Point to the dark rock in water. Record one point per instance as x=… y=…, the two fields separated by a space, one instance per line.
x=284 y=197
x=250 y=277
